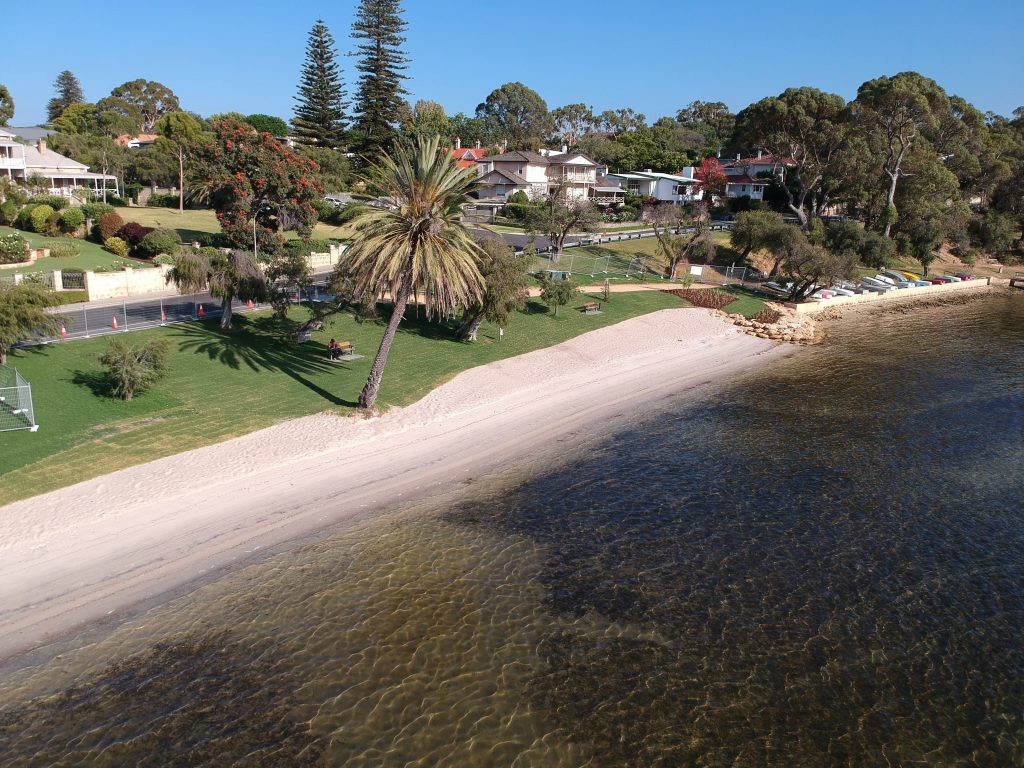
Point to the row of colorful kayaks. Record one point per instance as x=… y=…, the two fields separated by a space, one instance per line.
x=885 y=281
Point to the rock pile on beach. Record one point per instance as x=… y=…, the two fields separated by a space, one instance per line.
x=790 y=327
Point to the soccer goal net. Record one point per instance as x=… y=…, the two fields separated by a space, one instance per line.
x=15 y=402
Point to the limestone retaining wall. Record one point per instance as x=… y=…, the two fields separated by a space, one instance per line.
x=129 y=282
x=820 y=305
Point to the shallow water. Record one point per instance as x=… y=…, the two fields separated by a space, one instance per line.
x=822 y=564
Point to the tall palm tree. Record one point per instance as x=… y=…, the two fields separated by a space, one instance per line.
x=417 y=244
x=228 y=276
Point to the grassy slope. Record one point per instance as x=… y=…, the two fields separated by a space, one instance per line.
x=222 y=386
x=191 y=224
x=91 y=255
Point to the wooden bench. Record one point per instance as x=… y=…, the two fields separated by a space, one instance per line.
x=591 y=307
x=344 y=348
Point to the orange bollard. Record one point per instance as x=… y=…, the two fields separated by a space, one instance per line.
x=63 y=331
x=163 y=315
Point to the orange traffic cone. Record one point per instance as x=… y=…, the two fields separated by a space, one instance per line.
x=113 y=322
x=249 y=304
x=63 y=331
x=202 y=313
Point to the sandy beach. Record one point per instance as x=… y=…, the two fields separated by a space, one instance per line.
x=91 y=550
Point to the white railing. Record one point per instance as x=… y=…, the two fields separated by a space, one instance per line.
x=12 y=162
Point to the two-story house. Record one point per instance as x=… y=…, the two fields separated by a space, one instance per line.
x=535 y=173
x=20 y=162
x=750 y=176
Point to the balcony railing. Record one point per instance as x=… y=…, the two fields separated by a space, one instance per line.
x=12 y=162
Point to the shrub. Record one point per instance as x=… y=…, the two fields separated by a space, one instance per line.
x=132 y=369
x=767 y=315
x=8 y=212
x=214 y=240
x=107 y=227
x=40 y=218
x=710 y=298
x=305 y=247
x=116 y=246
x=64 y=249
x=117 y=202
x=163 y=201
x=23 y=220
x=71 y=219
x=133 y=232
x=13 y=248
x=57 y=202
x=160 y=241
x=95 y=211
x=163 y=258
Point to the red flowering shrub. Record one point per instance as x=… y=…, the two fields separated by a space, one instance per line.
x=252 y=175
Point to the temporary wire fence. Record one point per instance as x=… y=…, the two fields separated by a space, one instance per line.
x=16 y=411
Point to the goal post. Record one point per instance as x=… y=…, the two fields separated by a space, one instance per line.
x=16 y=411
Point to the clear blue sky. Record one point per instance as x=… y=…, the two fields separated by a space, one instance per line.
x=652 y=55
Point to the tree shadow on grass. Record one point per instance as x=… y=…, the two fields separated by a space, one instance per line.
x=256 y=345
x=97 y=382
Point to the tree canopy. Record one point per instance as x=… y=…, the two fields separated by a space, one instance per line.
x=6 y=105
x=142 y=101
x=516 y=114
x=320 y=102
x=68 y=92
x=381 y=65
x=250 y=177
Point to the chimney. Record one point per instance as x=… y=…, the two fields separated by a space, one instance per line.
x=458 y=143
x=738 y=157
x=564 y=149
x=478 y=143
x=504 y=146
x=42 y=144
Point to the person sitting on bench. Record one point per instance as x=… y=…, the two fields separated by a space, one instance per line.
x=333 y=350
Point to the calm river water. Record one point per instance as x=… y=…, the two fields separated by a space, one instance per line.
x=821 y=564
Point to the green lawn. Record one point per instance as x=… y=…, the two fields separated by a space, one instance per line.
x=224 y=385
x=748 y=303
x=91 y=255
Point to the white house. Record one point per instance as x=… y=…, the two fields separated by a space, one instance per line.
x=742 y=174
x=21 y=161
x=663 y=187
x=536 y=174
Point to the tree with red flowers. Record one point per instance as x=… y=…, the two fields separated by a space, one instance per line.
x=711 y=178
x=253 y=180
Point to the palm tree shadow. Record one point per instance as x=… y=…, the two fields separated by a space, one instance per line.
x=250 y=345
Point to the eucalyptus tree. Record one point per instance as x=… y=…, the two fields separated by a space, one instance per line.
x=572 y=122
x=417 y=243
x=897 y=114
x=180 y=134
x=808 y=131
x=516 y=114
x=506 y=276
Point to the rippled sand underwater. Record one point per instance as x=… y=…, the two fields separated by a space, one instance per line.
x=777 y=576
